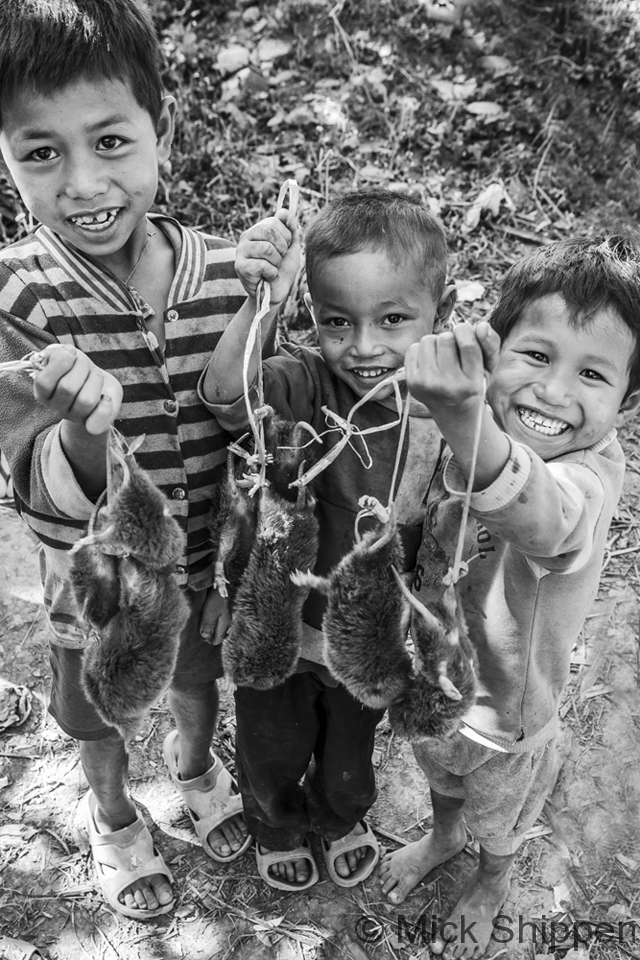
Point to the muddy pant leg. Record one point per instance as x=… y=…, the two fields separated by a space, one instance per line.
x=341 y=786
x=276 y=732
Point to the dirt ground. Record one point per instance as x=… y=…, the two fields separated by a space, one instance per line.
x=581 y=861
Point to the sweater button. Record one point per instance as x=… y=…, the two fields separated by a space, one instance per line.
x=172 y=316
x=178 y=494
x=170 y=406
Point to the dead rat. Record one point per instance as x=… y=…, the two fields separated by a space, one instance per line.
x=234 y=512
x=136 y=520
x=129 y=669
x=443 y=685
x=263 y=645
x=366 y=621
x=232 y=527
x=124 y=581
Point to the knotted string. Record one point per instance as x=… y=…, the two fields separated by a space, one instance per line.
x=32 y=363
x=263 y=304
x=460 y=568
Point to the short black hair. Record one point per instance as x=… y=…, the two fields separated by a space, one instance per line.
x=397 y=223
x=591 y=274
x=47 y=44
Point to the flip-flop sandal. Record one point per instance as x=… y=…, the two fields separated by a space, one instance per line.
x=265 y=859
x=121 y=858
x=211 y=798
x=352 y=841
x=12 y=949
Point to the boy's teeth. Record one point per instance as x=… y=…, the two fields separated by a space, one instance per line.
x=93 y=219
x=370 y=373
x=549 y=426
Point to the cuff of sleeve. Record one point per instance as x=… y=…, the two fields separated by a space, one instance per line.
x=504 y=488
x=231 y=416
x=62 y=486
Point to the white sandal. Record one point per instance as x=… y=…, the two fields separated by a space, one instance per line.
x=211 y=799
x=12 y=949
x=121 y=858
x=266 y=858
x=352 y=841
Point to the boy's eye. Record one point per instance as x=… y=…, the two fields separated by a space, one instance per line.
x=42 y=154
x=393 y=319
x=592 y=375
x=337 y=322
x=110 y=142
x=536 y=355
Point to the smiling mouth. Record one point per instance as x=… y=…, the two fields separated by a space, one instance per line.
x=95 y=221
x=548 y=426
x=371 y=373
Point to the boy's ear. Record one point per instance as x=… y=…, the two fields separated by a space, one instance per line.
x=309 y=305
x=444 y=308
x=629 y=408
x=165 y=128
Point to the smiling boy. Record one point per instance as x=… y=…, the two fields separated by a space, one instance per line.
x=546 y=483
x=125 y=308
x=376 y=270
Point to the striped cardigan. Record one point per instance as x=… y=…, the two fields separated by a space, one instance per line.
x=51 y=293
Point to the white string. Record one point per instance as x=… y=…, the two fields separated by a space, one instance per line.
x=460 y=568
x=263 y=304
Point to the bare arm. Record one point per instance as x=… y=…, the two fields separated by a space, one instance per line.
x=269 y=251
x=446 y=372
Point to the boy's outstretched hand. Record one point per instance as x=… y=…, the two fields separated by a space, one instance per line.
x=270 y=251
x=445 y=371
x=76 y=389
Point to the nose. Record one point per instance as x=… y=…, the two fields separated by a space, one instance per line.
x=365 y=343
x=85 y=177
x=553 y=388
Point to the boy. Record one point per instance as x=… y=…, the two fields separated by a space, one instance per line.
x=376 y=269
x=126 y=309
x=546 y=483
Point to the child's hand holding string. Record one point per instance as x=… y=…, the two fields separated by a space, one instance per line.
x=71 y=385
x=270 y=251
x=446 y=372
x=87 y=400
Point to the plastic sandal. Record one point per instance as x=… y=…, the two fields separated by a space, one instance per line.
x=12 y=949
x=121 y=858
x=352 y=841
x=211 y=798
x=265 y=858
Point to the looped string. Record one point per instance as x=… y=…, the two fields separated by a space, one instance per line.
x=263 y=304
x=350 y=431
x=460 y=568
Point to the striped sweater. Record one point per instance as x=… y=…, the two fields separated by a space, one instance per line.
x=51 y=293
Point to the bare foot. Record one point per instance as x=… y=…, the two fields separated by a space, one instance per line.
x=295 y=872
x=403 y=869
x=467 y=931
x=148 y=893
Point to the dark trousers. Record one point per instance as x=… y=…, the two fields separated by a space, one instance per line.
x=303 y=728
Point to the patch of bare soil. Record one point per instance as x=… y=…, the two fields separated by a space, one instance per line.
x=580 y=863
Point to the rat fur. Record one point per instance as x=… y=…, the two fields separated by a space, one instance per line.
x=263 y=645
x=131 y=666
x=443 y=686
x=124 y=581
x=232 y=527
x=366 y=621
